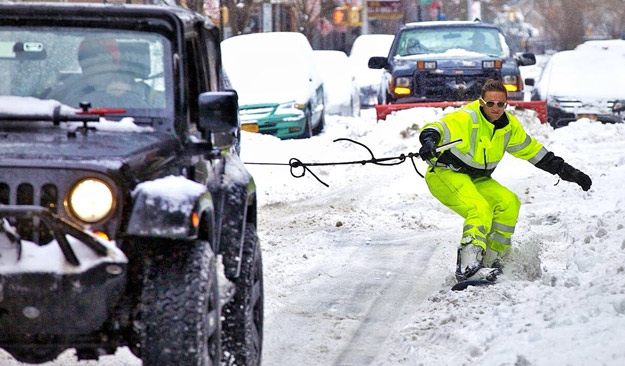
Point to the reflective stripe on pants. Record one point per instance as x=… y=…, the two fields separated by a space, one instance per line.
x=489 y=209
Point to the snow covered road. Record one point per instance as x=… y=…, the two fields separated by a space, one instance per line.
x=359 y=273
x=349 y=287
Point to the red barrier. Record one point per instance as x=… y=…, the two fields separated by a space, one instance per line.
x=383 y=110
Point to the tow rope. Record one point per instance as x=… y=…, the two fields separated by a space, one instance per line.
x=295 y=163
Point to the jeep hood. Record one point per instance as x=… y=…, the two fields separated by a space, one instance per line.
x=30 y=131
x=59 y=147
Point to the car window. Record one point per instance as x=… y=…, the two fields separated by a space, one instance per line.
x=52 y=63
x=440 y=40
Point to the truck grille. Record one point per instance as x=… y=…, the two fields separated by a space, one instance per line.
x=438 y=87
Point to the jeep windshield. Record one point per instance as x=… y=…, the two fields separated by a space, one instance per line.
x=438 y=40
x=121 y=69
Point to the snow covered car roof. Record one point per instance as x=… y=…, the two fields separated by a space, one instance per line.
x=282 y=59
x=586 y=74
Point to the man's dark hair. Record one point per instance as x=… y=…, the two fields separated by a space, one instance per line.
x=493 y=85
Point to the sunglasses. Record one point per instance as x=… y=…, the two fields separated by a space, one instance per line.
x=491 y=103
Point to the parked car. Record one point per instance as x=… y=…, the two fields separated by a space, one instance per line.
x=368 y=80
x=280 y=89
x=448 y=61
x=120 y=204
x=582 y=83
x=617 y=45
x=342 y=96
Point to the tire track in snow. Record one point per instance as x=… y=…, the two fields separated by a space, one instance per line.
x=397 y=301
x=346 y=307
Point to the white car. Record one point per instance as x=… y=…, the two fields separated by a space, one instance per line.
x=280 y=89
x=617 y=45
x=342 y=96
x=368 y=80
x=583 y=83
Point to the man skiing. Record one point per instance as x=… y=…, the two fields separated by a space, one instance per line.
x=460 y=177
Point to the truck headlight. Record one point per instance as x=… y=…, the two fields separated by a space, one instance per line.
x=510 y=82
x=402 y=86
x=91 y=200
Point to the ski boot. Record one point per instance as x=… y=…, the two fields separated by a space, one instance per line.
x=469 y=260
x=486 y=273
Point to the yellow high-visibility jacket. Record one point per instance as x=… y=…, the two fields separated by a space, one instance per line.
x=483 y=144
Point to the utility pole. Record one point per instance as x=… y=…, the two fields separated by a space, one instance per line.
x=364 y=29
x=474 y=9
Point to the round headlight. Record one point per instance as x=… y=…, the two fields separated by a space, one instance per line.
x=91 y=200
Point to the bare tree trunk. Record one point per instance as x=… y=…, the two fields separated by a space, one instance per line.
x=239 y=14
x=562 y=21
x=410 y=10
x=195 y=5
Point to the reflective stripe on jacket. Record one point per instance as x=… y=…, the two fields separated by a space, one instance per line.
x=483 y=145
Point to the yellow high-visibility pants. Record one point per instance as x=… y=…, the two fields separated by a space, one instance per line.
x=490 y=210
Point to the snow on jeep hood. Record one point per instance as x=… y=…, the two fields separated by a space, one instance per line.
x=31 y=106
x=28 y=133
x=46 y=109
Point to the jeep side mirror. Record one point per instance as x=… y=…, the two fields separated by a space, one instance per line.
x=219 y=111
x=377 y=62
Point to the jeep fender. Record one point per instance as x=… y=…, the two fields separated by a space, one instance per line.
x=170 y=208
x=237 y=195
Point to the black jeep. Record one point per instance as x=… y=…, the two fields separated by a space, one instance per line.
x=448 y=61
x=122 y=194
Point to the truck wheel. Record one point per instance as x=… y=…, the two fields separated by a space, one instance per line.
x=242 y=329
x=180 y=306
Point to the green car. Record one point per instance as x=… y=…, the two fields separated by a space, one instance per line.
x=280 y=90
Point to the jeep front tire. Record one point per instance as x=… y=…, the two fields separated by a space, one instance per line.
x=180 y=306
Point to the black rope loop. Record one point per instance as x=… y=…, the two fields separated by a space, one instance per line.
x=295 y=163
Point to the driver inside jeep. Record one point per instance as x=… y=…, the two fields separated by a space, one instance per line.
x=103 y=81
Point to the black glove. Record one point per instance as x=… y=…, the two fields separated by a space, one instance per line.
x=571 y=174
x=429 y=140
x=427 y=150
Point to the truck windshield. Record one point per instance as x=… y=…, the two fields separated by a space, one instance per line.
x=440 y=40
x=107 y=68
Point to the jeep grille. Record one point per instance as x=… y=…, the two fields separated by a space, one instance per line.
x=46 y=195
x=41 y=187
